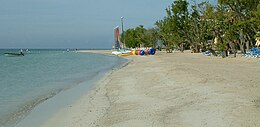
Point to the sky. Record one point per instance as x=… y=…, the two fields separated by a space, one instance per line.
x=82 y=24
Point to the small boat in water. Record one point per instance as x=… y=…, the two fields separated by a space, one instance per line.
x=14 y=54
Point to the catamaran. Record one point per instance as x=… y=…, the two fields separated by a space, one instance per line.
x=120 y=49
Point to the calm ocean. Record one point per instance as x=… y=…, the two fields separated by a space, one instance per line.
x=28 y=80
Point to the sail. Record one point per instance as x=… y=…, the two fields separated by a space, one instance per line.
x=117 y=37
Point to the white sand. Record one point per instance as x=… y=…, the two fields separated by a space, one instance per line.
x=167 y=90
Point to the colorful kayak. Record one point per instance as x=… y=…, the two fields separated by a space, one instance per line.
x=124 y=54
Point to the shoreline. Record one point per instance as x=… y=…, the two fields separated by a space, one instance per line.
x=87 y=98
x=103 y=52
x=47 y=108
x=180 y=89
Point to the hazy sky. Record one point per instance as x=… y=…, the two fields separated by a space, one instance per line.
x=72 y=23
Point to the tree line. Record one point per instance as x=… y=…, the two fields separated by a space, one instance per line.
x=230 y=25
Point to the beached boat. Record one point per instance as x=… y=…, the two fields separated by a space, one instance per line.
x=116 y=53
x=14 y=54
x=120 y=49
x=119 y=52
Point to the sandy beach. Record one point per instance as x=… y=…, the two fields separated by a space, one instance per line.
x=170 y=90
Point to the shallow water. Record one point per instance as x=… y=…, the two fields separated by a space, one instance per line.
x=29 y=80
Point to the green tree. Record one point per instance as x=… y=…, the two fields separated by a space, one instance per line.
x=151 y=35
x=245 y=23
x=174 y=28
x=129 y=37
x=140 y=36
x=234 y=23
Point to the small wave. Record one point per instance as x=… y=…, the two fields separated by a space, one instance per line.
x=16 y=116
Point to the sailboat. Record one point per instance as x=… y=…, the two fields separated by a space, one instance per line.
x=14 y=54
x=119 y=48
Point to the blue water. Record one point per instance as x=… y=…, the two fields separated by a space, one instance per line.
x=26 y=81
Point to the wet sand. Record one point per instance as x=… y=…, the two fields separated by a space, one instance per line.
x=167 y=90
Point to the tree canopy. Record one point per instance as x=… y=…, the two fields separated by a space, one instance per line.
x=230 y=25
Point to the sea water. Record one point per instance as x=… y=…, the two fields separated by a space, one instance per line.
x=26 y=81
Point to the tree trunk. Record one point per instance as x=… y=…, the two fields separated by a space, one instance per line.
x=250 y=41
x=247 y=45
x=242 y=47
x=233 y=48
x=242 y=42
x=182 y=47
x=196 y=48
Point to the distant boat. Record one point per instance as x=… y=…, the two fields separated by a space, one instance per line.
x=14 y=54
x=28 y=51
